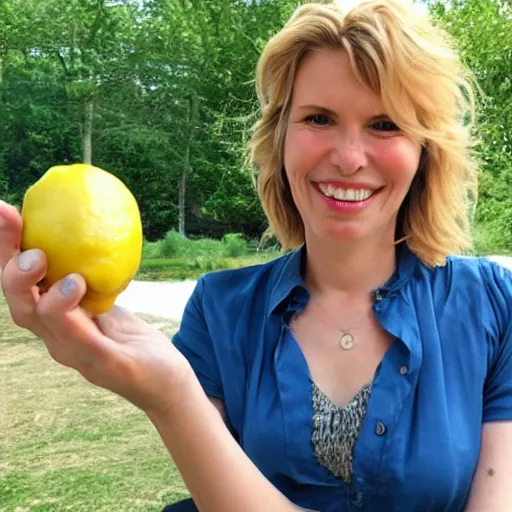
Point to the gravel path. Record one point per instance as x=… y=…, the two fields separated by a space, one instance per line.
x=168 y=299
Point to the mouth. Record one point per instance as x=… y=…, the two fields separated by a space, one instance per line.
x=349 y=195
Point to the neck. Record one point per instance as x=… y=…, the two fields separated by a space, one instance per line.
x=355 y=268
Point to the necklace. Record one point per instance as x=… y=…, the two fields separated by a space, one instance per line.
x=347 y=339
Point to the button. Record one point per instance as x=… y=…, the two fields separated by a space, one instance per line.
x=356 y=498
x=317 y=419
x=404 y=370
x=380 y=428
x=378 y=296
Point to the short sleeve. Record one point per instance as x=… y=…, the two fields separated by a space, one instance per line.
x=193 y=340
x=498 y=385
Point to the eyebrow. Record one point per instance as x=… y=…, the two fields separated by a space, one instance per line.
x=318 y=108
x=329 y=112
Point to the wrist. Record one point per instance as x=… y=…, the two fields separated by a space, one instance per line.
x=182 y=390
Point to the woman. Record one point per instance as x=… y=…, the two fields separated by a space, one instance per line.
x=368 y=368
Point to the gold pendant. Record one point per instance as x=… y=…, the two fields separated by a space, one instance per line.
x=347 y=341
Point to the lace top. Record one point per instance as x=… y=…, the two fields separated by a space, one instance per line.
x=335 y=430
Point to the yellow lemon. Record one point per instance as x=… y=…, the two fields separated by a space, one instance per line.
x=87 y=221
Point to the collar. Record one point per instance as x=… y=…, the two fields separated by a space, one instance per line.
x=287 y=276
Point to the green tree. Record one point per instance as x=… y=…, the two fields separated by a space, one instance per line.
x=483 y=30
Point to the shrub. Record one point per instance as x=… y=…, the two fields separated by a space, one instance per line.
x=150 y=250
x=173 y=245
x=234 y=245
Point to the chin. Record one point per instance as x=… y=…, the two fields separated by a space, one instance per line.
x=341 y=234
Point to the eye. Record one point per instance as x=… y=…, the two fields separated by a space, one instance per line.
x=385 y=125
x=318 y=120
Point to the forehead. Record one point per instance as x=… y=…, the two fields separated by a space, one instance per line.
x=325 y=78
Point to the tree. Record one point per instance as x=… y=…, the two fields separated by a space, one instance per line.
x=483 y=30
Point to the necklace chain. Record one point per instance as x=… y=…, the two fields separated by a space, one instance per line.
x=347 y=338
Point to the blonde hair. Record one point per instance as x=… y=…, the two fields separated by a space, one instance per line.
x=426 y=91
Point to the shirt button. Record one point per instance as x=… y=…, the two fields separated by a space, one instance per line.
x=404 y=370
x=317 y=420
x=357 y=498
x=380 y=428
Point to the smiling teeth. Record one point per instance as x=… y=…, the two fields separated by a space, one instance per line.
x=345 y=194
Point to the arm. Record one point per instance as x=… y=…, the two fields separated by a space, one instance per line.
x=491 y=490
x=123 y=354
x=217 y=472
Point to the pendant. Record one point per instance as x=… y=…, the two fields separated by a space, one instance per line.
x=347 y=341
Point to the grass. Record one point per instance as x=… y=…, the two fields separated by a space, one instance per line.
x=175 y=257
x=165 y=269
x=67 y=445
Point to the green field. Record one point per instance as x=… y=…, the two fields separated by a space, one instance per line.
x=67 y=445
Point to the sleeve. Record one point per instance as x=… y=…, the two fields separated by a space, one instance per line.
x=193 y=340
x=498 y=385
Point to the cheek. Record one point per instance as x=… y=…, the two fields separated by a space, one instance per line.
x=302 y=148
x=399 y=159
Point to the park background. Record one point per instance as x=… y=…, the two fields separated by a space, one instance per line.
x=161 y=93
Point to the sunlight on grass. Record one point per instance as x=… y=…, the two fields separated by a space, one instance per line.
x=67 y=445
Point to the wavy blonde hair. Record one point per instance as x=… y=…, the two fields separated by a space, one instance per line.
x=415 y=69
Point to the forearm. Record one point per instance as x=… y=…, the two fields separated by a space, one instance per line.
x=217 y=472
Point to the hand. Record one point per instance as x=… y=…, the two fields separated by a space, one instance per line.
x=116 y=350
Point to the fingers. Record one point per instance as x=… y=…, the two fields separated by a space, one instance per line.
x=61 y=298
x=19 y=279
x=29 y=308
x=11 y=224
x=71 y=336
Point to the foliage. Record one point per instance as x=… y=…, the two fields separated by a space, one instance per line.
x=137 y=67
x=175 y=245
x=179 y=257
x=235 y=245
x=483 y=31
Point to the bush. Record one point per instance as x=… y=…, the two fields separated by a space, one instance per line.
x=491 y=239
x=150 y=250
x=234 y=245
x=173 y=245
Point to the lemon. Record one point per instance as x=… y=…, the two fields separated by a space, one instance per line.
x=86 y=221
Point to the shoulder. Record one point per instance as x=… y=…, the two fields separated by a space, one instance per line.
x=235 y=286
x=471 y=270
x=476 y=281
x=489 y=274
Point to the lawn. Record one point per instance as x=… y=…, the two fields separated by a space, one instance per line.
x=67 y=445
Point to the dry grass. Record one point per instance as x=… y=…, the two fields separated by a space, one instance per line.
x=67 y=445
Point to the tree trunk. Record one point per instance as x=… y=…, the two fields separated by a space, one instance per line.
x=87 y=134
x=182 y=191
x=3 y=57
x=192 y=117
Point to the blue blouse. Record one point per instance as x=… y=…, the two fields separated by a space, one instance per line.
x=448 y=371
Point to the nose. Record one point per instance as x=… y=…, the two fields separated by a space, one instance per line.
x=348 y=154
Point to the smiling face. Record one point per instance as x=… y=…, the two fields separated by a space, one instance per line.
x=348 y=165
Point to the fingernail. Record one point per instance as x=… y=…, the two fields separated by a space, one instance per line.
x=27 y=260
x=68 y=286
